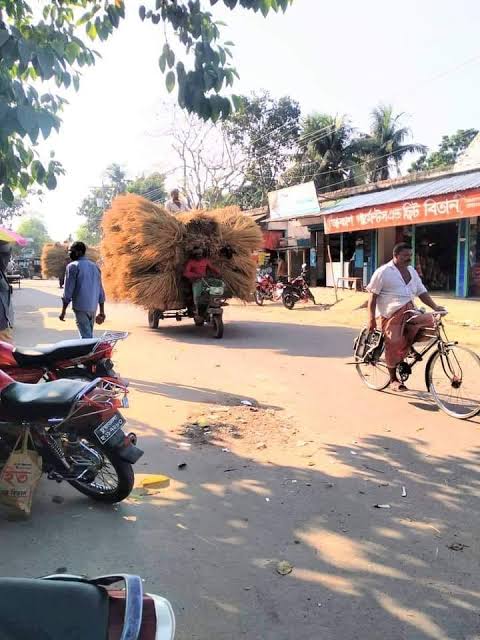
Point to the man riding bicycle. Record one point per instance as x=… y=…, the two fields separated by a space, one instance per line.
x=392 y=289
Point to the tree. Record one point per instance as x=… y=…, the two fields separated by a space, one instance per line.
x=33 y=227
x=84 y=235
x=151 y=187
x=265 y=132
x=9 y=211
x=99 y=199
x=39 y=49
x=384 y=148
x=209 y=168
x=325 y=153
x=449 y=150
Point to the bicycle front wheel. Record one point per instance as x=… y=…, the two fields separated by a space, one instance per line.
x=453 y=379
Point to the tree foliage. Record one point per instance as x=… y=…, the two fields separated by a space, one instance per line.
x=265 y=133
x=9 y=211
x=33 y=227
x=325 y=153
x=384 y=148
x=151 y=187
x=448 y=152
x=99 y=199
x=38 y=49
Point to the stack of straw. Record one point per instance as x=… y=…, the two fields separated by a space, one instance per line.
x=145 y=249
x=55 y=257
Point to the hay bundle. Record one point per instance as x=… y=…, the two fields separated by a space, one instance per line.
x=145 y=249
x=54 y=258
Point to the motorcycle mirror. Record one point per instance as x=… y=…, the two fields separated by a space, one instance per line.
x=304 y=265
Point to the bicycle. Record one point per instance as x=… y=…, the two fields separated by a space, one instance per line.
x=452 y=372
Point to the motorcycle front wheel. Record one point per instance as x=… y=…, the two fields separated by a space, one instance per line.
x=113 y=481
x=217 y=323
x=259 y=299
x=288 y=301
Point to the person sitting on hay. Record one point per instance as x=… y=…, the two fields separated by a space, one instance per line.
x=196 y=269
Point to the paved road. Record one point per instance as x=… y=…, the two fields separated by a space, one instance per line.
x=297 y=483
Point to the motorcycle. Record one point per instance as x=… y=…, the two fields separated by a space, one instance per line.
x=267 y=289
x=77 y=429
x=85 y=359
x=65 y=606
x=297 y=290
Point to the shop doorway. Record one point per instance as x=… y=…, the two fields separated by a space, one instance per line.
x=436 y=255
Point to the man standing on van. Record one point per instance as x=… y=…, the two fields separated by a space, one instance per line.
x=84 y=289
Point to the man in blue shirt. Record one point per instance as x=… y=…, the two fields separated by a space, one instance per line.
x=84 y=289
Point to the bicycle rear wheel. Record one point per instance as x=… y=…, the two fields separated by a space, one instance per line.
x=453 y=379
x=374 y=374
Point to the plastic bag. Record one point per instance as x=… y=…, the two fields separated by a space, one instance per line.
x=20 y=475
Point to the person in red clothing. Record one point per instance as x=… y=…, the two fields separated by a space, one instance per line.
x=196 y=270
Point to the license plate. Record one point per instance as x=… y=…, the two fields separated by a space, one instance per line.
x=109 y=428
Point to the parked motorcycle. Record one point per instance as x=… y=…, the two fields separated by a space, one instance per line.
x=297 y=290
x=77 y=429
x=65 y=606
x=85 y=359
x=267 y=289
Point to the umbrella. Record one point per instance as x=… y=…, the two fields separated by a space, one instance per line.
x=7 y=235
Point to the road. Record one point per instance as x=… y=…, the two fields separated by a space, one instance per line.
x=296 y=480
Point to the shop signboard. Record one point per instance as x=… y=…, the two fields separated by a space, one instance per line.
x=293 y=202
x=435 y=209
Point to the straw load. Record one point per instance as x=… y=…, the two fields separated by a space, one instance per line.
x=145 y=248
x=55 y=256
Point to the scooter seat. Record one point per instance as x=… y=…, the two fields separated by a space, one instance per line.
x=37 y=609
x=47 y=354
x=49 y=400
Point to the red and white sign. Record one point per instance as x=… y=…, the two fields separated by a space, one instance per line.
x=434 y=209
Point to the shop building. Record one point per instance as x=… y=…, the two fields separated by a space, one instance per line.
x=439 y=215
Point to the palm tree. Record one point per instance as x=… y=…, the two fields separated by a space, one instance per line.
x=384 y=147
x=324 y=153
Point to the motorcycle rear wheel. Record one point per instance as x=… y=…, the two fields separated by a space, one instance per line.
x=259 y=299
x=288 y=301
x=113 y=483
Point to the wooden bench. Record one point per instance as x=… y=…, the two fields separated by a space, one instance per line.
x=350 y=280
x=14 y=278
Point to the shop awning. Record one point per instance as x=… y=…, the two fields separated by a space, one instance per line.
x=437 y=200
x=271 y=239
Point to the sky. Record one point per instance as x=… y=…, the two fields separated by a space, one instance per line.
x=423 y=56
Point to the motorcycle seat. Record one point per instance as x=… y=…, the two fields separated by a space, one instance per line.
x=49 y=400
x=46 y=354
x=35 y=609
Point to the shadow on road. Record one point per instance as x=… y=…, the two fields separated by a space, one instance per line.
x=212 y=541
x=290 y=339
x=189 y=393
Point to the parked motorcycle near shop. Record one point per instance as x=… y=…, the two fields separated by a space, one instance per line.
x=297 y=290
x=267 y=289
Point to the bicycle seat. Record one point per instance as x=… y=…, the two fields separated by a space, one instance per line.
x=49 y=400
x=34 y=609
x=46 y=354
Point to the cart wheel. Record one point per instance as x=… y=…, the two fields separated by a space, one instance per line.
x=153 y=318
x=217 y=323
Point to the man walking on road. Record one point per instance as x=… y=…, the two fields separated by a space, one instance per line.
x=393 y=288
x=6 y=307
x=84 y=289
